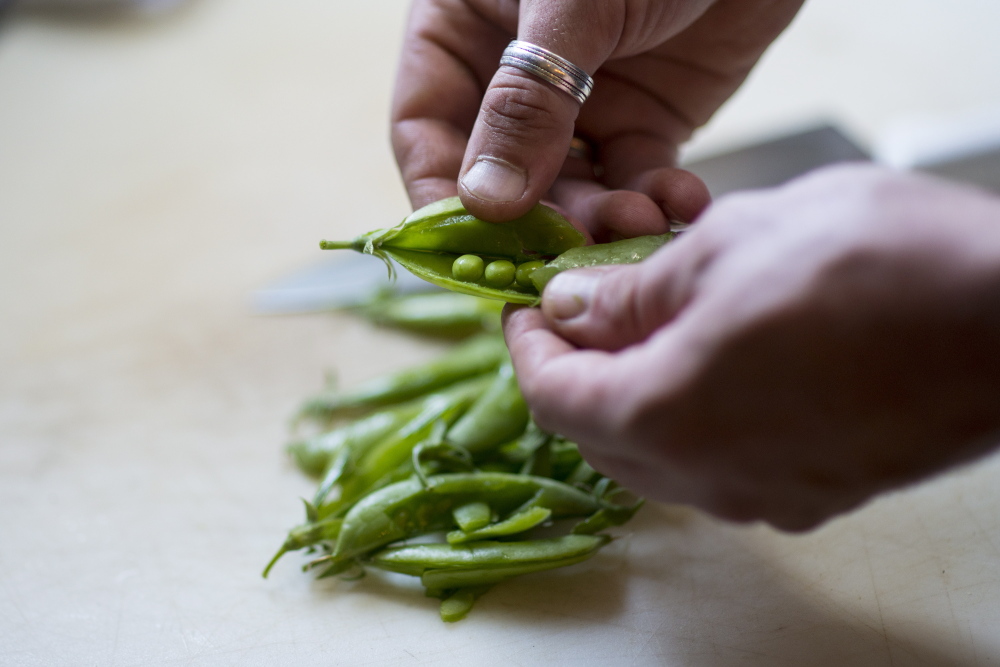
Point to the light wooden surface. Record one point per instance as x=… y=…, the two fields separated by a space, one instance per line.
x=153 y=174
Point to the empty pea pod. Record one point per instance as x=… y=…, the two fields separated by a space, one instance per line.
x=429 y=242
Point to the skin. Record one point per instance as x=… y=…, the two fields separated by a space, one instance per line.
x=798 y=351
x=662 y=69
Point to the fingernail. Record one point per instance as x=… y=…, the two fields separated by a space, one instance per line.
x=495 y=180
x=569 y=294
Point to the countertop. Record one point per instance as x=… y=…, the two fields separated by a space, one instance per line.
x=154 y=172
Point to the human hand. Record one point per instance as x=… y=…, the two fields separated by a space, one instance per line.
x=798 y=351
x=665 y=67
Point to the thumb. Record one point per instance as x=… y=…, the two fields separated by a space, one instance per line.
x=525 y=125
x=612 y=307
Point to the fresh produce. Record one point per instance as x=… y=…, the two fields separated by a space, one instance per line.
x=439 y=314
x=462 y=462
x=626 y=251
x=445 y=245
x=447 y=452
x=513 y=261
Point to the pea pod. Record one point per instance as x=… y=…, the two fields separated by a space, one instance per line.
x=442 y=314
x=516 y=523
x=384 y=458
x=444 y=566
x=409 y=508
x=314 y=455
x=498 y=416
x=477 y=356
x=456 y=606
x=306 y=535
x=626 y=251
x=472 y=516
x=431 y=239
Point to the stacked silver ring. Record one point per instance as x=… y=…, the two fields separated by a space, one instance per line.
x=549 y=67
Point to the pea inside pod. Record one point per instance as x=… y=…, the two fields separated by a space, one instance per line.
x=438 y=243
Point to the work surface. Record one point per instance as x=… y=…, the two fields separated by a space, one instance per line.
x=152 y=174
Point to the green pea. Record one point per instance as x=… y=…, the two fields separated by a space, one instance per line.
x=499 y=273
x=428 y=242
x=523 y=274
x=468 y=268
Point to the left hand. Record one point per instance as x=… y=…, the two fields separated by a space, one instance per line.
x=498 y=137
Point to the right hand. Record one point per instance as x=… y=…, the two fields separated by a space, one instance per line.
x=796 y=352
x=662 y=67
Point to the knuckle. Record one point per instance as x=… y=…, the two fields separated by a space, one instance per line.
x=520 y=110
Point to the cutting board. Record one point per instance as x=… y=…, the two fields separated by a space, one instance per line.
x=154 y=174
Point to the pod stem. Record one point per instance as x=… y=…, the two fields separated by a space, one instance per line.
x=281 y=552
x=337 y=245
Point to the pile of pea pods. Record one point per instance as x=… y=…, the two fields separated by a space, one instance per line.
x=438 y=471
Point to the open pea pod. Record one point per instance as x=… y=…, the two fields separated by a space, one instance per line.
x=445 y=245
x=626 y=251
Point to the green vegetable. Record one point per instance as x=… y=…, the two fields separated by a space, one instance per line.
x=467 y=268
x=472 y=516
x=477 y=356
x=445 y=566
x=431 y=239
x=407 y=509
x=379 y=464
x=449 y=449
x=444 y=314
x=498 y=416
x=523 y=273
x=499 y=273
x=516 y=523
x=314 y=455
x=627 y=251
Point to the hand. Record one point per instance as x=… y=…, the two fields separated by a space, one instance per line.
x=662 y=69
x=799 y=350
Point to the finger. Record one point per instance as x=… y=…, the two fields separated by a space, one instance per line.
x=591 y=398
x=654 y=200
x=609 y=308
x=561 y=384
x=523 y=131
x=449 y=54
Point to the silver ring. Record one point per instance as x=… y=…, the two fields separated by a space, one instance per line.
x=553 y=69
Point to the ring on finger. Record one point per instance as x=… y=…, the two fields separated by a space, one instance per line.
x=549 y=67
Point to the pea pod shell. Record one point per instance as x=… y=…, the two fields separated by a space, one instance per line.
x=446 y=227
x=626 y=251
x=428 y=241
